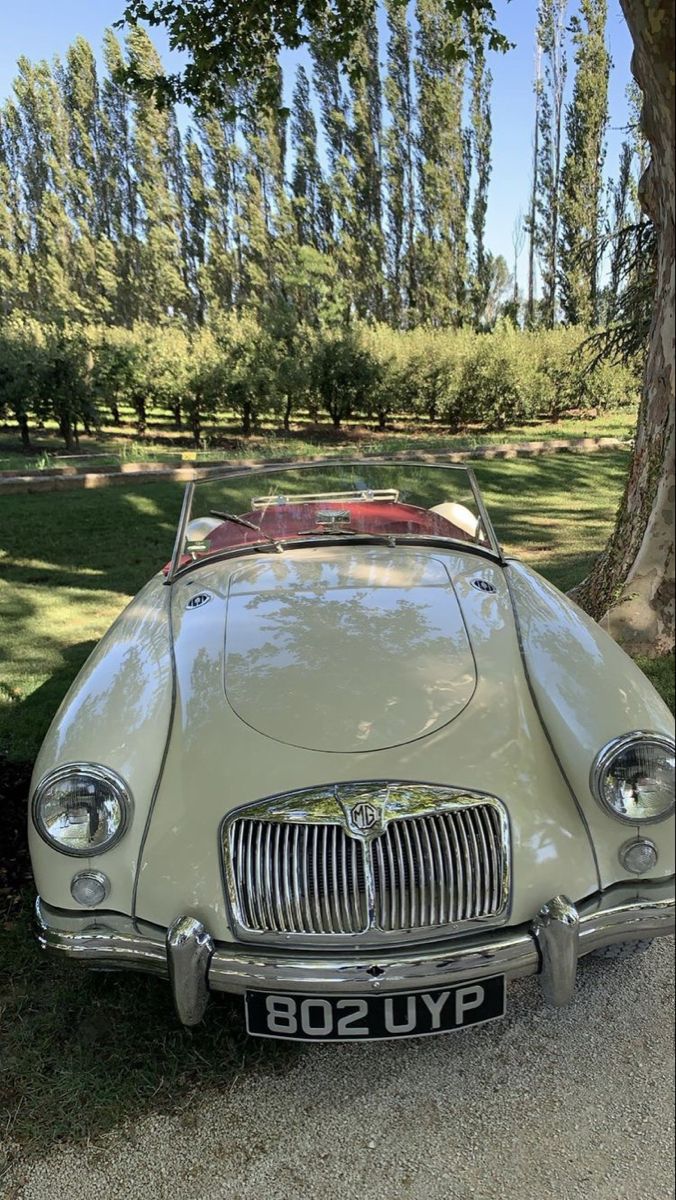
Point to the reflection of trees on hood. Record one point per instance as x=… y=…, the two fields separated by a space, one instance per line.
x=302 y=647
x=198 y=701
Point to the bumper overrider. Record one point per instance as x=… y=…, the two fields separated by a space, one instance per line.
x=187 y=955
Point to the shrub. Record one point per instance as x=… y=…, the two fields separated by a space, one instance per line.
x=496 y=380
x=344 y=374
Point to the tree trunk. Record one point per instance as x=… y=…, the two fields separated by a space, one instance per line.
x=66 y=431
x=24 y=430
x=247 y=413
x=631 y=586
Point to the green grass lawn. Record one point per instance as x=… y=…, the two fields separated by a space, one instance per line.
x=80 y=1052
x=69 y=562
x=122 y=445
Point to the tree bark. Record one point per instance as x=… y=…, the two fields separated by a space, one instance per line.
x=631 y=586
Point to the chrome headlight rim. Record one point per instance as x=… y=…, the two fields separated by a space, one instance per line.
x=95 y=771
x=605 y=758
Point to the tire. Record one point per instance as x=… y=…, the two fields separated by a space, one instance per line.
x=621 y=950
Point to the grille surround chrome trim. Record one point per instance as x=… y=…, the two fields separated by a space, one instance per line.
x=398 y=801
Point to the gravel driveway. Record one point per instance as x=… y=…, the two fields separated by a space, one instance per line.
x=540 y=1106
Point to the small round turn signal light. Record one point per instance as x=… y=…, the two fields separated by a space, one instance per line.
x=638 y=856
x=89 y=887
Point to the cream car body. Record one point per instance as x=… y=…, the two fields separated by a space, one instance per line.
x=347 y=666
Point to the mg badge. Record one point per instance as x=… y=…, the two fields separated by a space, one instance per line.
x=198 y=600
x=364 y=816
x=364 y=808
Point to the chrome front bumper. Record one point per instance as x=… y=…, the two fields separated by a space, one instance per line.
x=186 y=954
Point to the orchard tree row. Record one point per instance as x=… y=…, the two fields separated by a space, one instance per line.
x=237 y=370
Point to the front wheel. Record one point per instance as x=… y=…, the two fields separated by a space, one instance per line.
x=621 y=950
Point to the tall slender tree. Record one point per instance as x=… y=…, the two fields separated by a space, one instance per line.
x=13 y=232
x=39 y=127
x=328 y=86
x=399 y=170
x=88 y=185
x=442 y=168
x=313 y=217
x=196 y=211
x=159 y=284
x=582 y=173
x=533 y=204
x=552 y=39
x=519 y=233
x=480 y=115
x=223 y=161
x=117 y=168
x=365 y=221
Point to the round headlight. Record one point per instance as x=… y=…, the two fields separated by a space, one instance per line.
x=633 y=777
x=82 y=809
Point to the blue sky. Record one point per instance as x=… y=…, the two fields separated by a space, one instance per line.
x=43 y=28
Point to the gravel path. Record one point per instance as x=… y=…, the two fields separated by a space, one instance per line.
x=541 y=1106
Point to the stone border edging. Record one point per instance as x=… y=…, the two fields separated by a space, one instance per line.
x=65 y=479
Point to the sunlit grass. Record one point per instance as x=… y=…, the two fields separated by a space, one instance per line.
x=114 y=446
x=70 y=561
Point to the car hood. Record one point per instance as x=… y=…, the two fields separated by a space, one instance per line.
x=360 y=652
x=412 y=644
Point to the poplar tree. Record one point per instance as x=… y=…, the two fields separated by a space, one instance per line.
x=442 y=168
x=480 y=115
x=365 y=217
x=117 y=169
x=531 y=220
x=159 y=289
x=399 y=170
x=38 y=126
x=13 y=233
x=93 y=264
x=266 y=219
x=551 y=37
x=333 y=107
x=196 y=212
x=582 y=174
x=223 y=180
x=311 y=210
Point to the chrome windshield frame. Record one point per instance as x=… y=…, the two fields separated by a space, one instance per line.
x=491 y=548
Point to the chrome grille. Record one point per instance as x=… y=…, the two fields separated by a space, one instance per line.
x=424 y=872
x=298 y=878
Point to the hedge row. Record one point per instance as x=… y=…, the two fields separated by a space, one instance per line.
x=83 y=377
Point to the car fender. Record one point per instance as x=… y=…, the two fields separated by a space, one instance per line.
x=117 y=713
x=587 y=691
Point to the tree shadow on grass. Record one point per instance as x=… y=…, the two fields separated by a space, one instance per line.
x=81 y=1052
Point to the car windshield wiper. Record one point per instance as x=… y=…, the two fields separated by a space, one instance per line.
x=387 y=539
x=267 y=540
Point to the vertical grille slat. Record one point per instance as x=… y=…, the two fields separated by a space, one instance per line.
x=384 y=889
x=428 y=871
x=314 y=879
x=431 y=874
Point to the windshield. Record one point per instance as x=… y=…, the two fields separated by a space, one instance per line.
x=273 y=508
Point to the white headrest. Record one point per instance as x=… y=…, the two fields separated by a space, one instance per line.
x=459 y=516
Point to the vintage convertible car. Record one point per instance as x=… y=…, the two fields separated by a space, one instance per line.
x=343 y=757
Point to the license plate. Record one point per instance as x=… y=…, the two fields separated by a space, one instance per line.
x=362 y=1018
